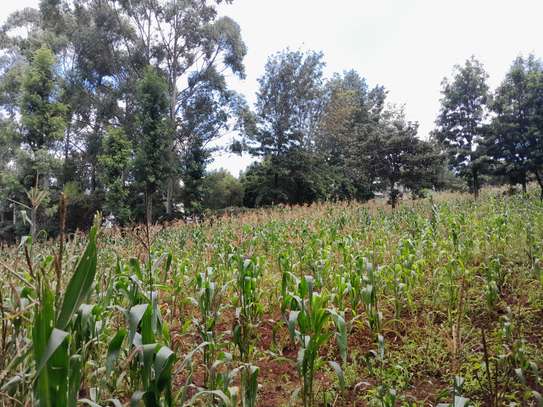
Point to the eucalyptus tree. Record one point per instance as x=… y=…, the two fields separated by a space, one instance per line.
x=352 y=111
x=461 y=122
x=195 y=48
x=42 y=115
x=115 y=162
x=289 y=102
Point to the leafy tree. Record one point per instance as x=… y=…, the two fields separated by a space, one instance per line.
x=297 y=177
x=206 y=115
x=397 y=160
x=152 y=136
x=461 y=120
x=515 y=137
x=115 y=161
x=289 y=102
x=42 y=116
x=351 y=113
x=222 y=190
x=195 y=49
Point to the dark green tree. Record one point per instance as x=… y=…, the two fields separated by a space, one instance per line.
x=397 y=160
x=514 y=137
x=42 y=116
x=296 y=177
x=461 y=121
x=351 y=113
x=115 y=161
x=222 y=190
x=195 y=48
x=152 y=137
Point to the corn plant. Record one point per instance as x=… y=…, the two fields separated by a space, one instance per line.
x=58 y=340
x=248 y=313
x=307 y=325
x=208 y=301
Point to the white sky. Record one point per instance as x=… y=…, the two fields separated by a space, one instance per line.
x=406 y=45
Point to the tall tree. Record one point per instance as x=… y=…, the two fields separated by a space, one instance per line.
x=115 y=162
x=195 y=49
x=461 y=120
x=289 y=102
x=396 y=159
x=515 y=139
x=351 y=113
x=42 y=116
x=222 y=190
x=152 y=136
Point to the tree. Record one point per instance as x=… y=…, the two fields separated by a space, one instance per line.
x=351 y=113
x=461 y=120
x=515 y=137
x=222 y=190
x=296 y=177
x=195 y=49
x=42 y=116
x=289 y=103
x=115 y=161
x=282 y=130
x=396 y=159
x=152 y=136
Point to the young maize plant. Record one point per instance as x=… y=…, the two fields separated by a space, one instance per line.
x=368 y=295
x=218 y=313
x=209 y=303
x=308 y=326
x=248 y=314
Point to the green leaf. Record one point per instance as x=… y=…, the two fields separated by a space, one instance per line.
x=292 y=319
x=55 y=340
x=134 y=317
x=81 y=282
x=339 y=372
x=114 y=348
x=163 y=361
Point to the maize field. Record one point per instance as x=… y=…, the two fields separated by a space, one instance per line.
x=439 y=302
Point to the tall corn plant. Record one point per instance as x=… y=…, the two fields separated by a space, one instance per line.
x=57 y=355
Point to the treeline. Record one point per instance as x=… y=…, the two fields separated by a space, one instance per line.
x=115 y=106
x=338 y=139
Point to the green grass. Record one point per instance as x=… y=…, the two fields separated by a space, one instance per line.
x=439 y=301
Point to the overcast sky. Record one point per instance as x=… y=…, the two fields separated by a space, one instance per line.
x=406 y=45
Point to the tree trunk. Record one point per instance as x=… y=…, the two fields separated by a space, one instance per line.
x=540 y=182
x=149 y=208
x=66 y=151
x=173 y=107
x=169 y=196
x=475 y=183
